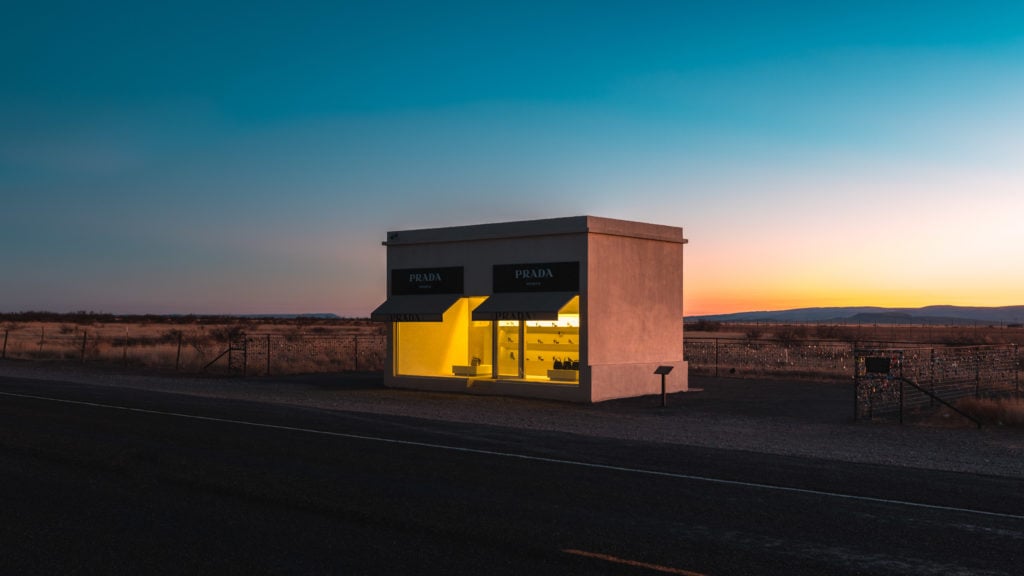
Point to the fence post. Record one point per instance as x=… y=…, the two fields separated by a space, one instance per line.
x=6 y=332
x=124 y=358
x=177 y=357
x=1017 y=367
x=42 y=338
x=245 y=355
x=355 y=351
x=84 y=336
x=856 y=396
x=268 y=354
x=901 y=387
x=901 y=401
x=977 y=373
x=856 y=384
x=716 y=357
x=931 y=378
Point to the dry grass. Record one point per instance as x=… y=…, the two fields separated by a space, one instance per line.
x=948 y=335
x=189 y=346
x=994 y=411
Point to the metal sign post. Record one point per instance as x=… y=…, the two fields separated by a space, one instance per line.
x=663 y=370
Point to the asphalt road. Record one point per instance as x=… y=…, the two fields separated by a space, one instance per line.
x=101 y=480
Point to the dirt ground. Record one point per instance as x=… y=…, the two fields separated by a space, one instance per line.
x=810 y=401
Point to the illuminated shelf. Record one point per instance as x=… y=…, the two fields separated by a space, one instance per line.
x=548 y=346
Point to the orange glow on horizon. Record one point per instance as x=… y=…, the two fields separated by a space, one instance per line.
x=702 y=303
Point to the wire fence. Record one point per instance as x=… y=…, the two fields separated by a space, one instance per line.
x=827 y=359
x=894 y=382
x=768 y=358
x=232 y=350
x=283 y=354
x=218 y=351
x=891 y=380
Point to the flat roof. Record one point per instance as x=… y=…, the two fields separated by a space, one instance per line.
x=533 y=228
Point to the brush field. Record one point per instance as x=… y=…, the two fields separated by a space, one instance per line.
x=192 y=343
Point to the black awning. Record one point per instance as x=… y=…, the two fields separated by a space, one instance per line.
x=415 y=308
x=523 y=306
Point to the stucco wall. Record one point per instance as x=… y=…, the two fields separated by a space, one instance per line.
x=487 y=387
x=635 y=315
x=612 y=381
x=635 y=300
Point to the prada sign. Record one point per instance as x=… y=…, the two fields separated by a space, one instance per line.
x=408 y=281
x=412 y=317
x=523 y=316
x=539 y=277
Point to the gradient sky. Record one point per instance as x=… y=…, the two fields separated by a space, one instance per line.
x=248 y=157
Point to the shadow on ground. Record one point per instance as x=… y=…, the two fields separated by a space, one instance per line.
x=827 y=401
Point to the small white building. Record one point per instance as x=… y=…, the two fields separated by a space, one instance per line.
x=581 y=308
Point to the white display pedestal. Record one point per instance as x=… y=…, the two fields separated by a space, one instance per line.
x=564 y=375
x=479 y=370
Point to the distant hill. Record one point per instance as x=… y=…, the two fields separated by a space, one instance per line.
x=939 y=315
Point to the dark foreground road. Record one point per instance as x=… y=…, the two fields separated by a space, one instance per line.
x=185 y=485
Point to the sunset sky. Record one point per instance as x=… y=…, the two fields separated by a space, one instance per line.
x=248 y=157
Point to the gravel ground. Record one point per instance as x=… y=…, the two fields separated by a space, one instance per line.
x=811 y=419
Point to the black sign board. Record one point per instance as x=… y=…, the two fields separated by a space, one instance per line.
x=537 y=277
x=426 y=281
x=877 y=364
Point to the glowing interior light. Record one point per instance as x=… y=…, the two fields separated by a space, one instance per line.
x=564 y=321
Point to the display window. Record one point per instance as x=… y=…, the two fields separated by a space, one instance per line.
x=455 y=346
x=509 y=352
x=541 y=350
x=535 y=350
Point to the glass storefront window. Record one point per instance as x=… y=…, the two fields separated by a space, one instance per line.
x=508 y=348
x=552 y=347
x=536 y=350
x=455 y=346
x=480 y=345
x=541 y=350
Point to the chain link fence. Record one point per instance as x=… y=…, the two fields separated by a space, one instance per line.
x=756 y=358
x=768 y=358
x=893 y=382
x=267 y=354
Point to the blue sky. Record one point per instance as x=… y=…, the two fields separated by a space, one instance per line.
x=249 y=157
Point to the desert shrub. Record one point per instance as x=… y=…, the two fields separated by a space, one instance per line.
x=67 y=329
x=965 y=338
x=788 y=335
x=226 y=333
x=753 y=333
x=994 y=411
x=832 y=332
x=706 y=326
x=170 y=336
